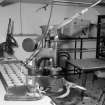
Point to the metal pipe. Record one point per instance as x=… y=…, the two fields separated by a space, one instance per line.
x=59 y=1
x=77 y=15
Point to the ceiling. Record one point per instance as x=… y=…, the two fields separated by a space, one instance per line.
x=61 y=2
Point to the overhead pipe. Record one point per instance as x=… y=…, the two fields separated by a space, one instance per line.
x=77 y=15
x=59 y=1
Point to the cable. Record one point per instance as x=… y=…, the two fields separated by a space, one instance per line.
x=43 y=36
x=45 y=33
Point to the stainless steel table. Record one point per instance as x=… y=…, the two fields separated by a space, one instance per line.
x=44 y=101
x=86 y=66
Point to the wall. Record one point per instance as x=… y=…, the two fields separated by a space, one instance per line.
x=32 y=20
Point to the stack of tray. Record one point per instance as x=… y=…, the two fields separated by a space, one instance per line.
x=12 y=75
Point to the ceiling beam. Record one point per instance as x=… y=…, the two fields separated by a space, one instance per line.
x=7 y=2
x=56 y=2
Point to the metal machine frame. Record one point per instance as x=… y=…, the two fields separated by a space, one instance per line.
x=100 y=48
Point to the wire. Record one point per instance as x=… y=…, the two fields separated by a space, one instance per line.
x=20 y=16
x=45 y=33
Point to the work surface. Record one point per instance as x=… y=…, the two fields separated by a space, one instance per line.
x=14 y=74
x=44 y=101
x=90 y=64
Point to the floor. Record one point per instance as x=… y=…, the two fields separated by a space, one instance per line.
x=94 y=88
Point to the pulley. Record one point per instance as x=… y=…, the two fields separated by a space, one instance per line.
x=29 y=45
